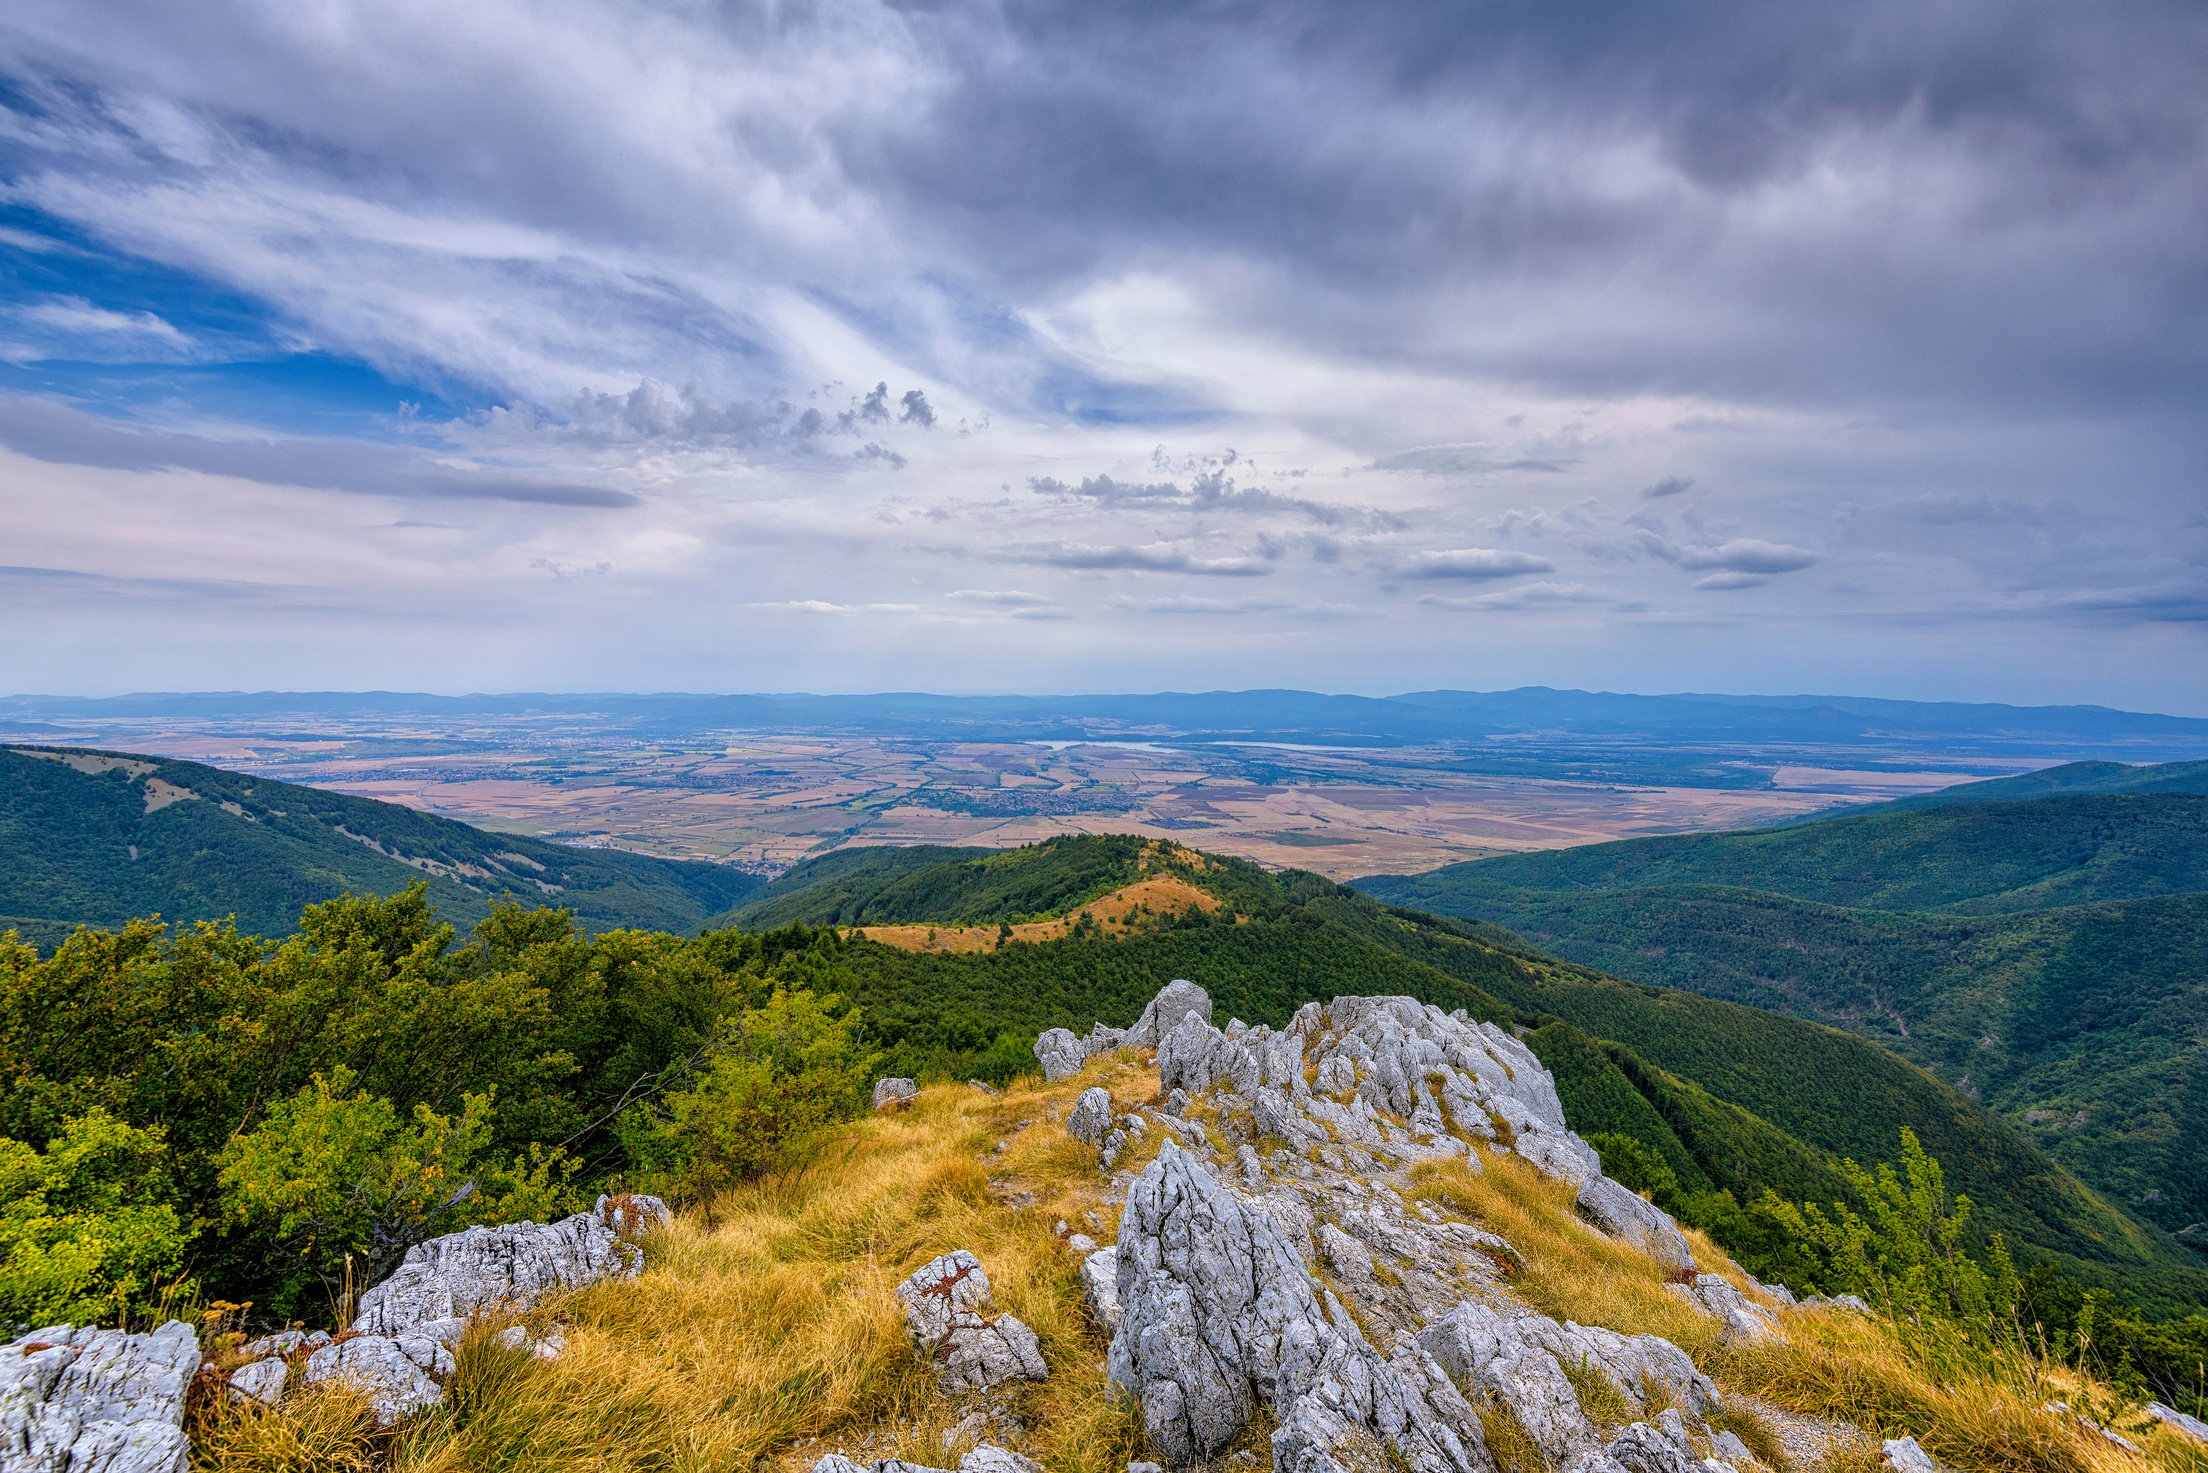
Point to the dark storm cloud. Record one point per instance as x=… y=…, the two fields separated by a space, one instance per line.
x=45 y=430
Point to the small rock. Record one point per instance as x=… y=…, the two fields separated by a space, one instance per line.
x=946 y=1303
x=984 y=1086
x=1100 y=1286
x=395 y=1382
x=1091 y=1117
x=1082 y=1244
x=1904 y=1456
x=1060 y=1053
x=283 y=1342
x=262 y=1381
x=890 y=1092
x=1144 y=1468
x=1728 y=1446
x=989 y=1458
x=633 y=1214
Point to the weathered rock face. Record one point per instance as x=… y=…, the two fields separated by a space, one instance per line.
x=1745 y=1320
x=1061 y=1053
x=1287 y=1168
x=1091 y=1117
x=485 y=1268
x=2171 y=1417
x=894 y=1092
x=398 y=1373
x=1218 y=1312
x=947 y=1304
x=81 y=1400
x=1100 y=1286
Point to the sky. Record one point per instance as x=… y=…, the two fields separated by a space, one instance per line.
x=986 y=345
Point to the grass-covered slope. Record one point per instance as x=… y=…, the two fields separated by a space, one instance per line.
x=949 y=886
x=99 y=837
x=1730 y=1096
x=1977 y=858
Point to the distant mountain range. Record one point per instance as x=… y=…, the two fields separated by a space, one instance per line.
x=95 y=838
x=1533 y=714
x=2048 y=954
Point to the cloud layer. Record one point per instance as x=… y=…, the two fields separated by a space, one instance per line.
x=1856 y=347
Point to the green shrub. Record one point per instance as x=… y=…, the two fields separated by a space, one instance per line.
x=84 y=1233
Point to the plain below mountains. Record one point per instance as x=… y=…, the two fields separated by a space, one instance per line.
x=1730 y=1097
x=96 y=838
x=2046 y=955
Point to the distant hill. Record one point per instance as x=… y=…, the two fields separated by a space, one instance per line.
x=1603 y=730
x=2047 y=955
x=1733 y=1097
x=2070 y=779
x=95 y=838
x=1980 y=858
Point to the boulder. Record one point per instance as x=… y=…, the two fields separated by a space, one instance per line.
x=1100 y=1286
x=1091 y=1117
x=1178 y=999
x=1903 y=1455
x=632 y=1214
x=1218 y=1313
x=947 y=1305
x=462 y=1274
x=261 y=1381
x=82 y=1400
x=889 y=1092
x=1628 y=1215
x=1745 y=1321
x=394 y=1373
x=1060 y=1053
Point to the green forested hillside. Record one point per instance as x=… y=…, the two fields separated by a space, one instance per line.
x=1976 y=859
x=880 y=887
x=1733 y=1097
x=2069 y=778
x=99 y=837
x=2086 y=1026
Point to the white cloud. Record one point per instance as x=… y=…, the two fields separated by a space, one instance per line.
x=1474 y=562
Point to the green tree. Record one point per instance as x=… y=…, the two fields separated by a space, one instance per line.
x=84 y=1233
x=773 y=1086
x=346 y=1181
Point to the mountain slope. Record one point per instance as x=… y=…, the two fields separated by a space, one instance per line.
x=1977 y=858
x=90 y=837
x=1732 y=1097
x=2068 y=779
x=2085 y=1025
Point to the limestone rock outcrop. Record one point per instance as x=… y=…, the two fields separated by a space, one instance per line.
x=81 y=1400
x=1270 y=1257
x=1091 y=1117
x=399 y=1374
x=1061 y=1052
x=447 y=1280
x=986 y=1458
x=889 y=1092
x=947 y=1307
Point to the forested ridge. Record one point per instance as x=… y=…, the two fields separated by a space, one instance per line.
x=96 y=838
x=2081 y=1024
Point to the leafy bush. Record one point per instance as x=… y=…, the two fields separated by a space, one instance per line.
x=84 y=1232
x=349 y=1184
x=778 y=1081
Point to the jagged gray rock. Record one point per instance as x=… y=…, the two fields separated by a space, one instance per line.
x=1178 y=999
x=1745 y=1321
x=632 y=1214
x=946 y=1307
x=394 y=1373
x=1100 y=1285
x=2171 y=1417
x=284 y=1342
x=894 y=1092
x=1091 y=1117
x=1905 y=1456
x=1627 y=1215
x=1060 y=1053
x=1218 y=1312
x=83 y=1400
x=261 y=1381
x=462 y=1274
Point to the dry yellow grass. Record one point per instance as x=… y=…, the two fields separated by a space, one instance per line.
x=1569 y=1270
x=1155 y=895
x=766 y=1330
x=1857 y=1368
